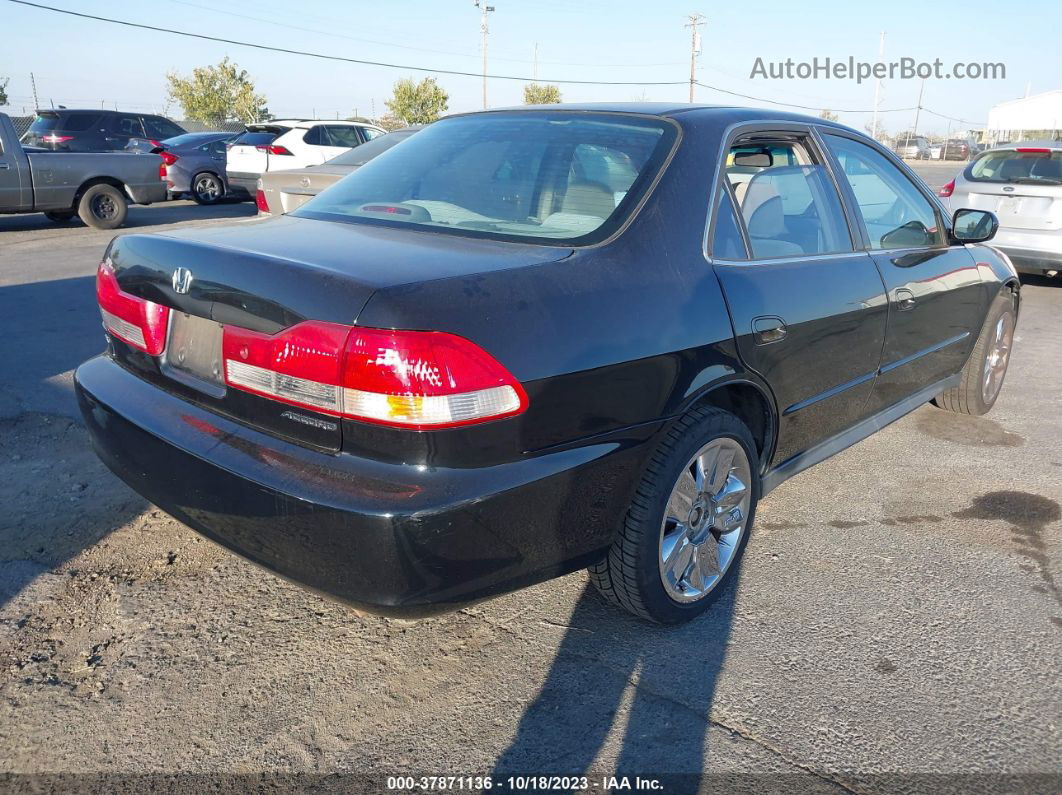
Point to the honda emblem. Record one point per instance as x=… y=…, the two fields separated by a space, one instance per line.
x=182 y=281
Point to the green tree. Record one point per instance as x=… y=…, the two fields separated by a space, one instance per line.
x=418 y=103
x=535 y=94
x=3 y=91
x=214 y=95
x=829 y=115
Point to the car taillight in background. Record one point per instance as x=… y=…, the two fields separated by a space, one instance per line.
x=51 y=138
x=168 y=159
x=274 y=150
x=405 y=379
x=260 y=199
x=137 y=321
x=947 y=190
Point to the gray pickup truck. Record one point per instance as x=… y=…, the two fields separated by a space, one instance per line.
x=96 y=187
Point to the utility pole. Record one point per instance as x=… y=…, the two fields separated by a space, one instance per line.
x=484 y=9
x=877 y=88
x=696 y=20
x=918 y=109
x=33 y=82
x=534 y=66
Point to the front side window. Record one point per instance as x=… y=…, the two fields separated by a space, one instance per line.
x=558 y=176
x=128 y=125
x=370 y=133
x=895 y=214
x=787 y=201
x=159 y=128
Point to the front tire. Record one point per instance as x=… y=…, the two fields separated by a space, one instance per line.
x=688 y=522
x=207 y=188
x=983 y=374
x=103 y=207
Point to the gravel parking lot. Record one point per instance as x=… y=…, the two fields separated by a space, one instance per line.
x=898 y=612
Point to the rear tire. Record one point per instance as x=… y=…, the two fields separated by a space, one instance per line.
x=103 y=207
x=669 y=568
x=207 y=188
x=59 y=216
x=983 y=374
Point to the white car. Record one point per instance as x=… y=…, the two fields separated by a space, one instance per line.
x=1022 y=184
x=290 y=143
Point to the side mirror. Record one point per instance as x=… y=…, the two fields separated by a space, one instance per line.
x=973 y=226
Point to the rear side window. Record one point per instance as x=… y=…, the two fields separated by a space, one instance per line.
x=1032 y=166
x=71 y=122
x=727 y=243
x=127 y=125
x=159 y=128
x=788 y=203
x=337 y=135
x=512 y=176
x=894 y=212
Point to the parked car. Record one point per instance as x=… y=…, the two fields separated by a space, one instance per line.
x=283 y=191
x=952 y=149
x=467 y=367
x=195 y=165
x=914 y=148
x=67 y=130
x=1022 y=184
x=283 y=145
x=95 y=186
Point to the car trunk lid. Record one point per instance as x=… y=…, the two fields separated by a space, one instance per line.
x=267 y=277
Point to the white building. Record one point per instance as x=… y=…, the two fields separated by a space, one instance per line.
x=1029 y=118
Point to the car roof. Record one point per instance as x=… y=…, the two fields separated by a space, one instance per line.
x=307 y=123
x=100 y=111
x=1028 y=145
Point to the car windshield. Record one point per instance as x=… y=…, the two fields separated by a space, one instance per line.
x=1024 y=165
x=360 y=155
x=558 y=176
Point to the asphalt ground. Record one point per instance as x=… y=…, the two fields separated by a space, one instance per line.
x=896 y=624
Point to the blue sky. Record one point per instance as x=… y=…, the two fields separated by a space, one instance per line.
x=81 y=62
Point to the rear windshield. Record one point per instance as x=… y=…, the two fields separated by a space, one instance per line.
x=70 y=122
x=1016 y=166
x=192 y=139
x=361 y=155
x=257 y=137
x=558 y=177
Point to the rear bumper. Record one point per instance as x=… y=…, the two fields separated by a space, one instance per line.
x=1031 y=251
x=392 y=539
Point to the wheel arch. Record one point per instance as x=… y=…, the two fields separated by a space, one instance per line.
x=101 y=180
x=748 y=400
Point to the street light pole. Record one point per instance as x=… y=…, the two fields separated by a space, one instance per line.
x=484 y=9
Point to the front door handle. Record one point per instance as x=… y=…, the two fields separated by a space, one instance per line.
x=768 y=329
x=4 y=166
x=904 y=299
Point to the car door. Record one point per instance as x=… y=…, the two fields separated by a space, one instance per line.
x=936 y=297
x=808 y=308
x=14 y=191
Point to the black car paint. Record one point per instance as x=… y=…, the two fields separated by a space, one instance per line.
x=102 y=136
x=611 y=342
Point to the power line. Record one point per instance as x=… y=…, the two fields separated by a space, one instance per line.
x=326 y=57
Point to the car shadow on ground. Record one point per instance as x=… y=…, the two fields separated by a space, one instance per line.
x=58 y=498
x=139 y=216
x=607 y=660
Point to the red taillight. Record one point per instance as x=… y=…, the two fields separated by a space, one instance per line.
x=56 y=139
x=274 y=150
x=137 y=321
x=947 y=190
x=260 y=201
x=406 y=379
x=1039 y=150
x=168 y=158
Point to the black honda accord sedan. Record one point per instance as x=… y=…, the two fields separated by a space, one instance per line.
x=531 y=341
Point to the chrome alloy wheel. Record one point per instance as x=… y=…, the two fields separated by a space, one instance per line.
x=704 y=520
x=997 y=357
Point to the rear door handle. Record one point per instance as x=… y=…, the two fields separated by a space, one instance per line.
x=4 y=166
x=768 y=329
x=904 y=299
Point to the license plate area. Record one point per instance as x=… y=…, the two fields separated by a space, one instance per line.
x=193 y=353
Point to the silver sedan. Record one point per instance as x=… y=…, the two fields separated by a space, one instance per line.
x=195 y=164
x=1022 y=184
